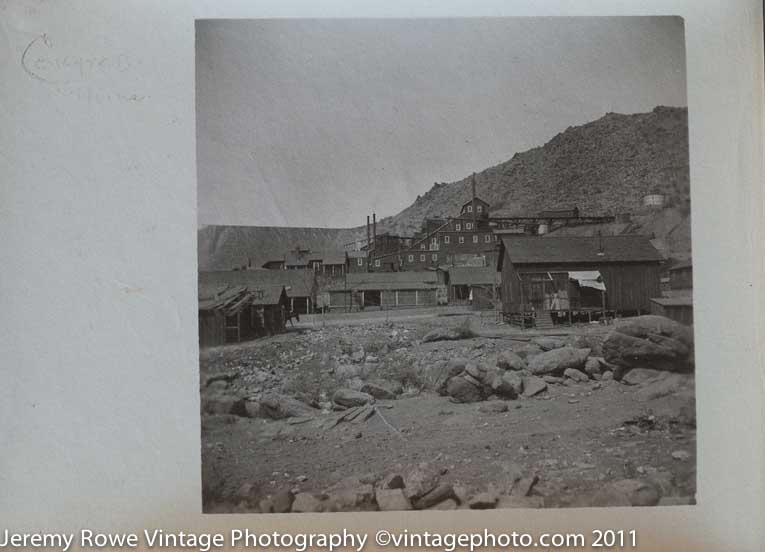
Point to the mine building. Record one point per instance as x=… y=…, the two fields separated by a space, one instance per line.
x=300 y=285
x=235 y=313
x=386 y=290
x=549 y=280
x=676 y=301
x=331 y=263
x=476 y=286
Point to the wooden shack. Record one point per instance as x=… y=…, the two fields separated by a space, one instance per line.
x=232 y=314
x=474 y=285
x=549 y=279
x=300 y=285
x=386 y=290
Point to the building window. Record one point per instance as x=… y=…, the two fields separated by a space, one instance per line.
x=411 y=258
x=360 y=261
x=422 y=258
x=446 y=239
x=495 y=237
x=458 y=227
x=422 y=247
x=434 y=256
x=377 y=262
x=462 y=239
x=469 y=208
x=479 y=208
x=475 y=238
x=488 y=238
x=468 y=226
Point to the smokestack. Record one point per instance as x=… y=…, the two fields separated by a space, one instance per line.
x=374 y=230
x=472 y=182
x=369 y=243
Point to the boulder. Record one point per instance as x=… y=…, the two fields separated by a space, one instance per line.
x=639 y=493
x=508 y=360
x=650 y=341
x=448 y=504
x=281 y=503
x=576 y=375
x=592 y=366
x=639 y=376
x=382 y=389
x=447 y=371
x=279 y=407
x=440 y=493
x=441 y=334
x=463 y=390
x=549 y=343
x=509 y=384
x=552 y=379
x=533 y=385
x=420 y=480
x=529 y=350
x=555 y=362
x=350 y=398
x=352 y=499
x=225 y=404
x=393 y=481
x=483 y=501
x=392 y=500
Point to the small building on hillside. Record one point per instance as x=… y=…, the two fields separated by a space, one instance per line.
x=386 y=290
x=235 y=313
x=300 y=285
x=477 y=286
x=551 y=280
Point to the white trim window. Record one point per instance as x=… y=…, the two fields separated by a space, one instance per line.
x=475 y=238
x=423 y=247
x=479 y=208
x=468 y=226
x=411 y=258
x=422 y=258
x=457 y=227
x=446 y=239
x=469 y=208
x=434 y=256
x=377 y=262
x=462 y=239
x=360 y=261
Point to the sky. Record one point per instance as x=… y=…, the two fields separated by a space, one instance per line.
x=322 y=122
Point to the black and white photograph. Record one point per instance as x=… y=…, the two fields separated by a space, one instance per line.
x=444 y=264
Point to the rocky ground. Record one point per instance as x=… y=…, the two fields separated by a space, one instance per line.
x=444 y=413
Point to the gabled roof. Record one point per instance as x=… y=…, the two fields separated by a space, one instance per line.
x=298 y=283
x=577 y=249
x=231 y=299
x=426 y=279
x=477 y=200
x=473 y=275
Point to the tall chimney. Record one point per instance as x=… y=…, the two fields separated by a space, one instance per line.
x=472 y=182
x=374 y=230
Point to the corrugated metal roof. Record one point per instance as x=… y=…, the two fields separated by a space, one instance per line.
x=467 y=275
x=299 y=283
x=579 y=249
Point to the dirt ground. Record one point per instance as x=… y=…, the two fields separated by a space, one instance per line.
x=576 y=437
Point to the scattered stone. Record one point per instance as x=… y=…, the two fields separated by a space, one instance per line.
x=358 y=356
x=382 y=389
x=508 y=360
x=509 y=384
x=441 y=334
x=608 y=375
x=576 y=375
x=524 y=486
x=301 y=478
x=394 y=481
x=462 y=390
x=668 y=385
x=592 y=366
x=392 y=500
x=557 y=361
x=650 y=340
x=483 y=501
x=637 y=492
x=493 y=407
x=447 y=371
x=279 y=407
x=552 y=379
x=529 y=350
x=533 y=385
x=350 y=398
x=225 y=404
x=359 y=498
x=639 y=376
x=548 y=343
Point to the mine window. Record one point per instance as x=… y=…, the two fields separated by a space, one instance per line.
x=469 y=208
x=462 y=239
x=435 y=256
x=360 y=262
x=458 y=227
x=488 y=238
x=446 y=239
x=422 y=258
x=475 y=238
x=479 y=208
x=411 y=258
x=468 y=226
x=377 y=262
x=423 y=247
